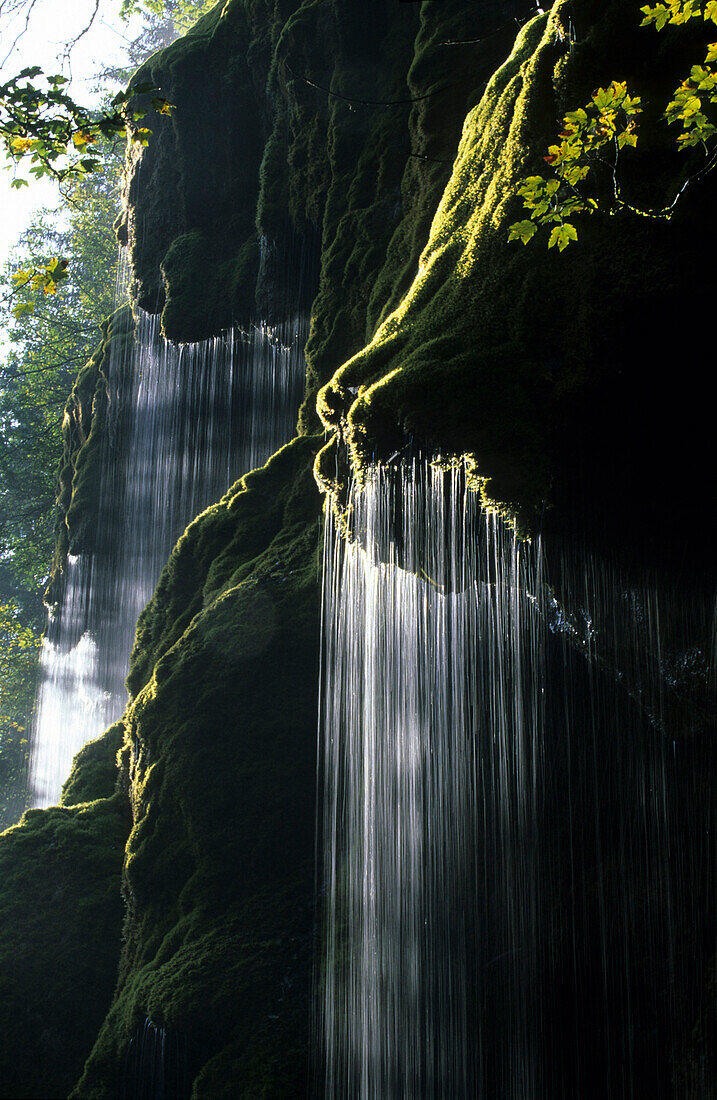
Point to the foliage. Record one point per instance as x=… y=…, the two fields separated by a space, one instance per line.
x=19 y=648
x=62 y=140
x=46 y=349
x=46 y=278
x=677 y=12
x=607 y=120
x=598 y=133
x=43 y=352
x=183 y=14
x=688 y=103
x=42 y=124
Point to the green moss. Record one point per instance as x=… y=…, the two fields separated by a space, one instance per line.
x=455 y=53
x=432 y=393
x=187 y=264
x=223 y=546
x=256 y=1070
x=222 y=789
x=517 y=355
x=60 y=922
x=94 y=770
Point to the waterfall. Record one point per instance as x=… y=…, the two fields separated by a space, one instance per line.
x=516 y=880
x=183 y=422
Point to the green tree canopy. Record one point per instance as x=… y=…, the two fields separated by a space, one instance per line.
x=44 y=350
x=182 y=14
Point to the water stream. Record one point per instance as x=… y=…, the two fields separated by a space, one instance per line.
x=516 y=868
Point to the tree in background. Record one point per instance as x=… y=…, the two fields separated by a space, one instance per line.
x=163 y=22
x=58 y=287
x=19 y=645
x=182 y=14
x=45 y=349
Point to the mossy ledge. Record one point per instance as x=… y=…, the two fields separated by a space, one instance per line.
x=61 y=915
x=543 y=366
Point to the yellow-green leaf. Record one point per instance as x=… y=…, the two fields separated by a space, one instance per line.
x=657 y=15
x=627 y=137
x=82 y=138
x=162 y=106
x=522 y=231
x=562 y=235
x=21 y=145
x=23 y=308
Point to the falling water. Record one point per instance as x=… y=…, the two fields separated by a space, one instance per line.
x=517 y=880
x=156 y=1065
x=183 y=422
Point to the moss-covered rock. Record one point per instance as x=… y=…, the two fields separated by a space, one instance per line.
x=220 y=754
x=543 y=366
x=191 y=194
x=95 y=770
x=344 y=121
x=60 y=922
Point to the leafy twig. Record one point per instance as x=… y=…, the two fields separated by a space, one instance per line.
x=609 y=119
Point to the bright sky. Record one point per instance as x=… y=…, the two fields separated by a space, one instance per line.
x=52 y=24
